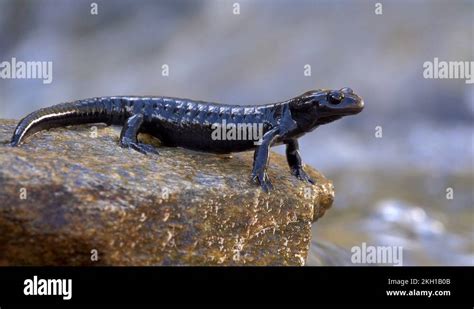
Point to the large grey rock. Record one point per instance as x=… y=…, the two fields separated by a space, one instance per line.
x=66 y=195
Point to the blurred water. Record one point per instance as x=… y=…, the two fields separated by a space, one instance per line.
x=438 y=232
x=258 y=57
x=425 y=240
x=328 y=254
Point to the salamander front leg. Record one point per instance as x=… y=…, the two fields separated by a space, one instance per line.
x=294 y=161
x=128 y=136
x=260 y=161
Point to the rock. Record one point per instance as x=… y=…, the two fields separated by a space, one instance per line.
x=68 y=197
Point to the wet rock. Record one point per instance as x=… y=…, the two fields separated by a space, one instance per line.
x=73 y=197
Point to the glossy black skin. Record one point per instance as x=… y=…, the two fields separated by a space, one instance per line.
x=187 y=123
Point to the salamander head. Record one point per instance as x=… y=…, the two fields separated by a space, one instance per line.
x=322 y=106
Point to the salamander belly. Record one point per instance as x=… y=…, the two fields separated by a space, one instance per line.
x=214 y=138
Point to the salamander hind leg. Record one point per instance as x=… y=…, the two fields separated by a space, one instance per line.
x=128 y=136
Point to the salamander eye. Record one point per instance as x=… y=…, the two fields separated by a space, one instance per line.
x=335 y=97
x=347 y=90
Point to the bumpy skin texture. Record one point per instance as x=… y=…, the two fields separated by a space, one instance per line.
x=190 y=124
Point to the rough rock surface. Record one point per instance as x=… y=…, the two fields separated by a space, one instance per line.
x=68 y=196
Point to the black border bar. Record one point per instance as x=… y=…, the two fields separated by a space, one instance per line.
x=282 y=285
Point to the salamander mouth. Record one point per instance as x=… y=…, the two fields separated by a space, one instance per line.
x=327 y=119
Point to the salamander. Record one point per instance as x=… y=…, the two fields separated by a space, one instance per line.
x=205 y=126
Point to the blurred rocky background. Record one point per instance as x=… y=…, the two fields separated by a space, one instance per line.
x=389 y=191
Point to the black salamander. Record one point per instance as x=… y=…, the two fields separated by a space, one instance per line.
x=194 y=124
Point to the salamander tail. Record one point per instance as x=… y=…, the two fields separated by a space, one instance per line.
x=79 y=112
